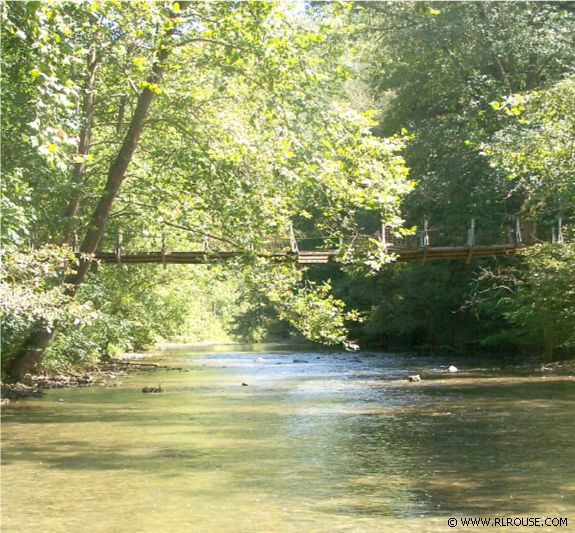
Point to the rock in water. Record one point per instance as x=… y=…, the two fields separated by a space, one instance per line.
x=416 y=378
x=351 y=346
x=244 y=384
x=453 y=369
x=153 y=389
x=300 y=361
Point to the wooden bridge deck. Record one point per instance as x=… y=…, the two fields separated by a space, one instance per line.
x=304 y=257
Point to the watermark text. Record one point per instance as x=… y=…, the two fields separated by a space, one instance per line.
x=509 y=521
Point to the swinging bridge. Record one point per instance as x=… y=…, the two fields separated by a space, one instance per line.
x=313 y=250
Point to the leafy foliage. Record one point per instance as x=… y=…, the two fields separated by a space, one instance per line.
x=439 y=70
x=249 y=134
x=536 y=150
x=537 y=299
x=135 y=308
x=32 y=291
x=308 y=307
x=182 y=125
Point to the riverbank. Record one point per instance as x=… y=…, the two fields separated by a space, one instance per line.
x=105 y=374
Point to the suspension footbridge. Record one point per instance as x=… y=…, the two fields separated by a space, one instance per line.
x=412 y=248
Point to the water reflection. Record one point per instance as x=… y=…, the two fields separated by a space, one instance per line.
x=341 y=442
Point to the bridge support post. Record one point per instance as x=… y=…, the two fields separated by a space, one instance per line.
x=293 y=242
x=424 y=237
x=560 y=230
x=119 y=239
x=518 y=236
x=470 y=241
x=383 y=237
x=424 y=240
x=471 y=234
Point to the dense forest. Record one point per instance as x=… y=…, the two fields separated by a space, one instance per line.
x=225 y=126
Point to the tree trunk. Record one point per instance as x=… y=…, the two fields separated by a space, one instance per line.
x=31 y=354
x=34 y=347
x=79 y=171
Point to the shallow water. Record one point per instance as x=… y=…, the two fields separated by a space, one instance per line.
x=340 y=443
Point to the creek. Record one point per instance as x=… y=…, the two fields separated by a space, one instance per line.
x=341 y=442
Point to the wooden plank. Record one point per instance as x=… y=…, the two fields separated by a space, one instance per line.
x=307 y=256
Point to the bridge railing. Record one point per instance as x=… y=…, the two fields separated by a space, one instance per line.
x=477 y=233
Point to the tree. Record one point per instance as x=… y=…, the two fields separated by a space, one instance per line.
x=435 y=69
x=249 y=130
x=49 y=23
x=536 y=152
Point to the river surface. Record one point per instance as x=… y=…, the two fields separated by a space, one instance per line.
x=341 y=442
